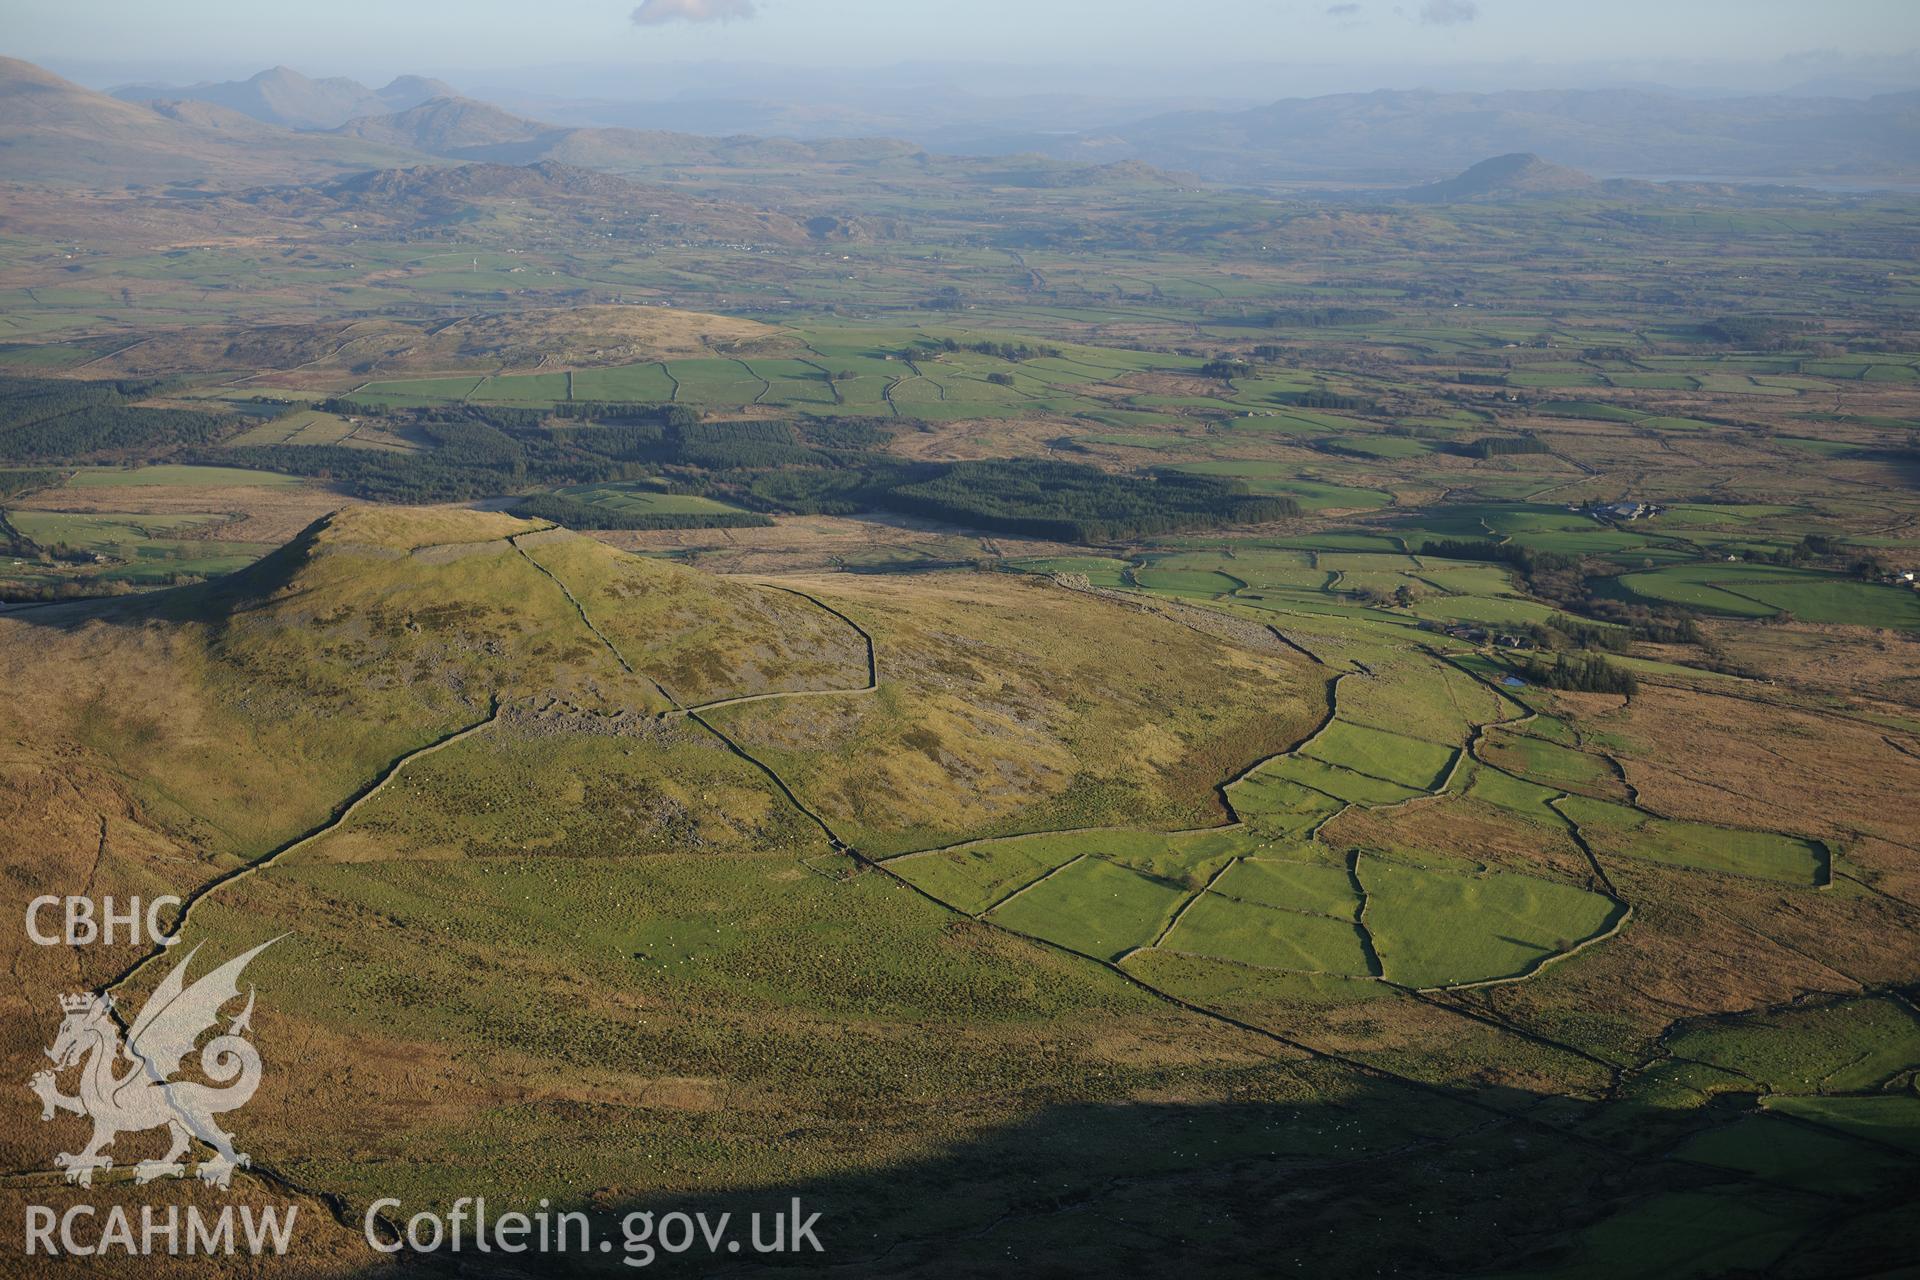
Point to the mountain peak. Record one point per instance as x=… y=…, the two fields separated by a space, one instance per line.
x=1516 y=174
x=445 y=125
x=15 y=71
x=417 y=89
x=292 y=99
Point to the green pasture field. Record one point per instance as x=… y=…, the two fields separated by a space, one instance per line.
x=1493 y=611
x=1548 y=728
x=715 y=382
x=1338 y=782
x=1554 y=380
x=532 y=390
x=1321 y=605
x=1358 y=562
x=174 y=475
x=1702 y=515
x=106 y=533
x=140 y=549
x=640 y=499
x=306 y=426
x=32 y=359
x=1735 y=384
x=1843 y=1046
x=427 y=389
x=1892 y=1121
x=1516 y=795
x=800 y=383
x=1274 y=805
x=1377 y=753
x=1333 y=540
x=948 y=385
x=1318 y=888
x=1551 y=764
x=1257 y=568
x=1617 y=829
x=1545 y=528
x=1269 y=424
x=1095 y=908
x=1185 y=582
x=974 y=877
x=159 y=562
x=1796 y=1155
x=624 y=384
x=1653 y=381
x=1654 y=667
x=1762 y=591
x=1423 y=698
x=1189 y=857
x=1464 y=579
x=1440 y=928
x=1277 y=576
x=1820 y=448
x=1252 y=934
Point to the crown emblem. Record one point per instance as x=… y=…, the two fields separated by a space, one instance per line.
x=84 y=1001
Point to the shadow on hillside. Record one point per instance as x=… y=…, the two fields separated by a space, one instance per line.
x=1903 y=463
x=1385 y=1180
x=215 y=602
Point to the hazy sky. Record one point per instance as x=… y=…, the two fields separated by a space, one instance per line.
x=184 y=39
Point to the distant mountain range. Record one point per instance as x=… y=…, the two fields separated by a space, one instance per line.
x=1397 y=136
x=1387 y=137
x=281 y=126
x=52 y=130
x=463 y=129
x=284 y=97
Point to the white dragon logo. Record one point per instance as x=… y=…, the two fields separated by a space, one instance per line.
x=144 y=1095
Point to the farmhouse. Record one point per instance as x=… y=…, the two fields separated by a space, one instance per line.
x=1623 y=510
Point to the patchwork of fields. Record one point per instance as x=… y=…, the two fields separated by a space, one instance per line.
x=1064 y=726
x=1420 y=719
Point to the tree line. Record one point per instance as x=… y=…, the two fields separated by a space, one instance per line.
x=1071 y=502
x=1325 y=317
x=1525 y=559
x=829 y=466
x=45 y=418
x=586 y=515
x=1503 y=446
x=1013 y=351
x=1582 y=673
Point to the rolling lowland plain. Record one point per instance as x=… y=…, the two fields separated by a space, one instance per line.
x=1073 y=719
